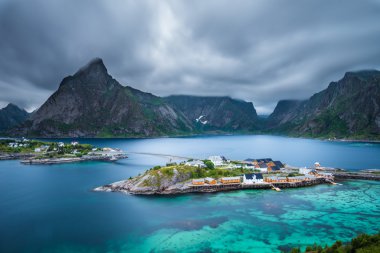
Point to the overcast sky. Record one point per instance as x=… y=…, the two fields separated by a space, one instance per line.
x=259 y=51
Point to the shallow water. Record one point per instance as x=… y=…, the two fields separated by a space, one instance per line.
x=52 y=208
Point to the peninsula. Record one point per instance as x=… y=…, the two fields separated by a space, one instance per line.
x=42 y=152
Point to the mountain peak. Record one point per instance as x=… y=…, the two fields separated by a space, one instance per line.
x=94 y=66
x=366 y=73
x=12 y=106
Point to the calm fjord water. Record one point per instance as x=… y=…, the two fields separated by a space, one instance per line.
x=52 y=208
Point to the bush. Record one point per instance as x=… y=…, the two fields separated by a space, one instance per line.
x=157 y=167
x=209 y=164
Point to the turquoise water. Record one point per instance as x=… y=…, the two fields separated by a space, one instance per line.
x=52 y=208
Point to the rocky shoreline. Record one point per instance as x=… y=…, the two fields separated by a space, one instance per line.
x=128 y=187
x=16 y=156
x=357 y=175
x=70 y=159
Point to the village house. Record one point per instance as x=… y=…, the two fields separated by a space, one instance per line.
x=279 y=164
x=210 y=180
x=253 y=178
x=218 y=160
x=196 y=163
x=198 y=181
x=230 y=180
x=326 y=175
x=276 y=179
x=249 y=166
x=304 y=171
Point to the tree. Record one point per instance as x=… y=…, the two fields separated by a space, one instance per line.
x=210 y=165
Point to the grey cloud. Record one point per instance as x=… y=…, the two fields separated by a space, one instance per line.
x=260 y=51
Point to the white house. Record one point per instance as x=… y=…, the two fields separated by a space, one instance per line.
x=262 y=170
x=217 y=160
x=61 y=144
x=304 y=171
x=253 y=178
x=249 y=166
x=74 y=143
x=196 y=163
x=37 y=150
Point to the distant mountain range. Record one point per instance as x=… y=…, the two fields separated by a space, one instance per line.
x=91 y=103
x=349 y=108
x=11 y=116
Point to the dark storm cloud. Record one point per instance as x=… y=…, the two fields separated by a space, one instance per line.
x=260 y=51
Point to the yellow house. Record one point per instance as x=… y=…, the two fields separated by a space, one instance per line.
x=210 y=180
x=230 y=180
x=199 y=181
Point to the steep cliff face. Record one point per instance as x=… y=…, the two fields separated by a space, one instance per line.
x=11 y=116
x=93 y=104
x=285 y=111
x=217 y=113
x=347 y=108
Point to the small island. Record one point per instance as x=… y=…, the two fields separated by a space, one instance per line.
x=219 y=174
x=43 y=152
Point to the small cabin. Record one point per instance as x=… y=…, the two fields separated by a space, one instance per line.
x=210 y=180
x=198 y=181
x=230 y=180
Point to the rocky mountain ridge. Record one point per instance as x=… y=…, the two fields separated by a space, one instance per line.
x=349 y=108
x=93 y=104
x=11 y=116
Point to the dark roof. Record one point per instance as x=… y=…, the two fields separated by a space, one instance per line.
x=248 y=176
x=249 y=160
x=275 y=167
x=264 y=160
x=263 y=165
x=279 y=164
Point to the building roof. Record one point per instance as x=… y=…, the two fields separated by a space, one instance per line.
x=198 y=180
x=264 y=160
x=253 y=175
x=249 y=160
x=299 y=177
x=263 y=165
x=275 y=168
x=279 y=164
x=248 y=176
x=209 y=179
x=230 y=178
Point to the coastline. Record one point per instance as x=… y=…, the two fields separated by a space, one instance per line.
x=184 y=188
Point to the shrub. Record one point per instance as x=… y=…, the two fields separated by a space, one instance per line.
x=209 y=164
